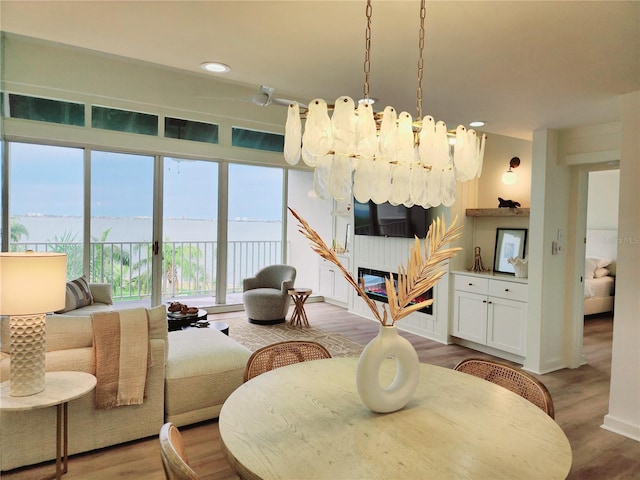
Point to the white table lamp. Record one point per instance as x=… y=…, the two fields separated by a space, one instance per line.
x=31 y=285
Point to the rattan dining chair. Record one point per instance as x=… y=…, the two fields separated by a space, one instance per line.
x=174 y=457
x=525 y=385
x=281 y=354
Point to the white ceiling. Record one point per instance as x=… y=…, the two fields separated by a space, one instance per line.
x=518 y=65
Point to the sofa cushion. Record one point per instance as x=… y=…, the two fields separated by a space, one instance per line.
x=78 y=294
x=64 y=332
x=102 y=293
x=204 y=367
x=88 y=310
x=74 y=330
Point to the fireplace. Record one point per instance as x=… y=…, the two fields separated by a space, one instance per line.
x=374 y=285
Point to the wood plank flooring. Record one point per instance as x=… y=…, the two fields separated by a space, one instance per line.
x=580 y=396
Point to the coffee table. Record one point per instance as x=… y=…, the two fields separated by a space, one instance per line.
x=177 y=321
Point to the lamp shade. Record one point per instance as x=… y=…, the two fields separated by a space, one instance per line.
x=32 y=282
x=509 y=177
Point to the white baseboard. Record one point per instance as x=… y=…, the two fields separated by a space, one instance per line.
x=621 y=427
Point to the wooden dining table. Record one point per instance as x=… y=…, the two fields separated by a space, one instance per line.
x=306 y=421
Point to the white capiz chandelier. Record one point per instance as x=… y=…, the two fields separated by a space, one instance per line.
x=382 y=157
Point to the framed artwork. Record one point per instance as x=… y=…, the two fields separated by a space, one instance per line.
x=510 y=242
x=347 y=239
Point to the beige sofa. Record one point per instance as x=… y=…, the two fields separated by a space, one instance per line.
x=193 y=372
x=102 y=294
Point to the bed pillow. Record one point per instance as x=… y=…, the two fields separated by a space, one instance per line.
x=600 y=272
x=593 y=263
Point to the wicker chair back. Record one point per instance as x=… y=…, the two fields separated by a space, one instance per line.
x=522 y=383
x=281 y=354
x=174 y=457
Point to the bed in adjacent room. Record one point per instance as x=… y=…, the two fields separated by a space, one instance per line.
x=599 y=277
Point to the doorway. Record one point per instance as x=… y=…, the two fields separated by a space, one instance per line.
x=601 y=236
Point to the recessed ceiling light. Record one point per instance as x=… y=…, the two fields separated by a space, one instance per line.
x=215 y=67
x=370 y=100
x=477 y=123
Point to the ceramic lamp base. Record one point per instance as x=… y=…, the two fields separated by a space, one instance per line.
x=27 y=354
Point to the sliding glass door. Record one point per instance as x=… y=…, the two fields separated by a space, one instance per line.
x=122 y=224
x=190 y=231
x=255 y=223
x=99 y=208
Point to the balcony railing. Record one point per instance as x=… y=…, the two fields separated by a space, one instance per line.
x=188 y=268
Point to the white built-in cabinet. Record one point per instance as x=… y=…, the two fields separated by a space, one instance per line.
x=333 y=286
x=491 y=311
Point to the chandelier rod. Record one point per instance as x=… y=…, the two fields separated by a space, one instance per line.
x=367 y=51
x=420 y=59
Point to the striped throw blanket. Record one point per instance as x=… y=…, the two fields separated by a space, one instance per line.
x=122 y=356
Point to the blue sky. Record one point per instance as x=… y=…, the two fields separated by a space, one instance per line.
x=48 y=180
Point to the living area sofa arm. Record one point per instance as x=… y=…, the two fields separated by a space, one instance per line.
x=102 y=292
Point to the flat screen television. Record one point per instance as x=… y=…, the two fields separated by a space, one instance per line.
x=386 y=220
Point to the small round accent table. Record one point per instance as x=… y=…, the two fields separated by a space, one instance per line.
x=220 y=326
x=60 y=388
x=299 y=316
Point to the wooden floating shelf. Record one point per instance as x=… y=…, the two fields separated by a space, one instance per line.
x=497 y=212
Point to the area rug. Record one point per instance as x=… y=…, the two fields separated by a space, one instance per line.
x=255 y=336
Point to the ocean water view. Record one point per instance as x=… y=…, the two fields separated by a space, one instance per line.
x=47 y=228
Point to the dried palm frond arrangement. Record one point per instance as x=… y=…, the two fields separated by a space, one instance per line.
x=424 y=268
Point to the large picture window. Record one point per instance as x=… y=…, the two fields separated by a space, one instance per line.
x=46 y=201
x=255 y=221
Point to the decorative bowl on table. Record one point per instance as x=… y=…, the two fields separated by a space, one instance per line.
x=180 y=315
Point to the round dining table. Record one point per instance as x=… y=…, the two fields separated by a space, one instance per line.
x=306 y=421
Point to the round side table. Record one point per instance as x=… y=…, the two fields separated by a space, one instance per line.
x=299 y=316
x=60 y=388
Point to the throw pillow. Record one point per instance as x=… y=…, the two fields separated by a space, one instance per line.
x=78 y=295
x=600 y=272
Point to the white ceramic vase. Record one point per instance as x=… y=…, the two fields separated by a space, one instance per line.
x=520 y=266
x=387 y=344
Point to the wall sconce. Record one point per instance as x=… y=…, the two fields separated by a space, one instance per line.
x=509 y=177
x=31 y=285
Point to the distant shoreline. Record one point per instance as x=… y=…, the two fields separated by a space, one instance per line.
x=43 y=228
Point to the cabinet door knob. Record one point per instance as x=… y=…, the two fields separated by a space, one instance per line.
x=489 y=303
x=471 y=284
x=484 y=301
x=506 y=289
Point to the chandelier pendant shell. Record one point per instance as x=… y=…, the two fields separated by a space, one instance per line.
x=383 y=157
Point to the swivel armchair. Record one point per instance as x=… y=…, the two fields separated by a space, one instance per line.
x=265 y=296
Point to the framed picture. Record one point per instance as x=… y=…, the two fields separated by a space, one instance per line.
x=347 y=239
x=510 y=242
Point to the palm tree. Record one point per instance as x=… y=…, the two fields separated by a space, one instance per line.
x=17 y=231
x=108 y=262
x=67 y=243
x=180 y=264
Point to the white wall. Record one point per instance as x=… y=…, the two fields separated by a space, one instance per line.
x=317 y=213
x=602 y=201
x=550 y=199
x=498 y=152
x=624 y=398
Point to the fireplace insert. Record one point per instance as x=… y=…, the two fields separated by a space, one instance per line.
x=375 y=287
